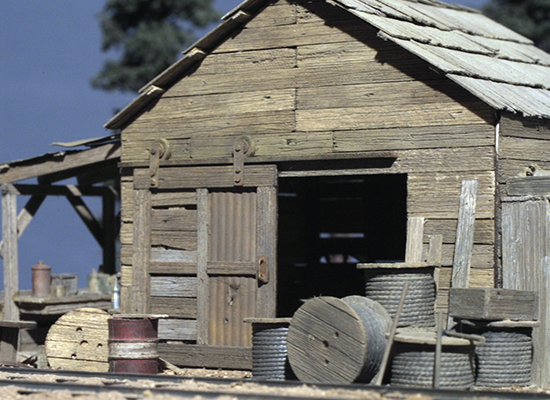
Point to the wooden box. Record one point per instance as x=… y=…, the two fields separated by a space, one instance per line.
x=493 y=304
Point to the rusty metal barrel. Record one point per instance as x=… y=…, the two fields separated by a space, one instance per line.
x=337 y=340
x=133 y=344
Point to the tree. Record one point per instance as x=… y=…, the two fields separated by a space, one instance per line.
x=531 y=18
x=149 y=35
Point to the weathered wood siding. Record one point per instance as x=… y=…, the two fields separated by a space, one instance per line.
x=312 y=80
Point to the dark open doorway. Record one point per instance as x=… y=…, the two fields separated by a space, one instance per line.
x=329 y=224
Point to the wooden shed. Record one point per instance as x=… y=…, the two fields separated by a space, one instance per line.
x=297 y=138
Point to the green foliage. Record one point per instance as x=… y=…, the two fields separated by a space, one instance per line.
x=148 y=35
x=531 y=18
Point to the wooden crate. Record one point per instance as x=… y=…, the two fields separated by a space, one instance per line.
x=493 y=304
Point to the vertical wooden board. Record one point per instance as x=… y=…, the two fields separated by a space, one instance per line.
x=141 y=250
x=267 y=241
x=465 y=234
x=525 y=249
x=203 y=291
x=10 y=253
x=415 y=236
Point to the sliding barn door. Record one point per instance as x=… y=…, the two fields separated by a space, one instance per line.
x=236 y=266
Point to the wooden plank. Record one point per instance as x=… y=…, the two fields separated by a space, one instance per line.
x=173 y=286
x=525 y=246
x=388 y=116
x=415 y=236
x=444 y=194
x=482 y=256
x=232 y=268
x=10 y=256
x=175 y=307
x=178 y=240
x=270 y=145
x=263 y=62
x=177 y=329
x=523 y=149
x=64 y=162
x=203 y=290
x=432 y=92
x=300 y=35
x=174 y=199
x=173 y=219
x=188 y=355
x=141 y=252
x=448 y=138
x=197 y=177
x=493 y=304
x=267 y=241
x=465 y=234
x=75 y=198
x=280 y=13
x=26 y=215
x=168 y=255
x=528 y=186
x=518 y=126
x=172 y=268
x=484 y=230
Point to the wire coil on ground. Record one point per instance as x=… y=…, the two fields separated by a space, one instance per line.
x=505 y=359
x=413 y=365
x=385 y=287
x=269 y=351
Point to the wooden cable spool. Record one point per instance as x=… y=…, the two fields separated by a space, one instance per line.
x=337 y=340
x=79 y=341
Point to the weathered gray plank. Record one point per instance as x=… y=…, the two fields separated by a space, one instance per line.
x=415 y=236
x=141 y=252
x=211 y=177
x=267 y=242
x=203 y=290
x=525 y=248
x=176 y=307
x=173 y=286
x=465 y=234
x=189 y=355
x=177 y=329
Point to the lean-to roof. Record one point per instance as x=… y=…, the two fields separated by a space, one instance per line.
x=494 y=63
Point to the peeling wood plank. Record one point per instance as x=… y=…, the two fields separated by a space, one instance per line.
x=206 y=356
x=168 y=255
x=465 y=234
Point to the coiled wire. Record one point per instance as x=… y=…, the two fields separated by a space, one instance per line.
x=385 y=286
x=269 y=354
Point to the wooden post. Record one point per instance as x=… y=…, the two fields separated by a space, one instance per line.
x=203 y=220
x=267 y=238
x=109 y=234
x=465 y=235
x=141 y=281
x=10 y=335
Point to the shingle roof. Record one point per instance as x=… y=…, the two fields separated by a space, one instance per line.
x=496 y=64
x=501 y=67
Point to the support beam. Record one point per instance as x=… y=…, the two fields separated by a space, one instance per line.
x=25 y=217
x=9 y=336
x=75 y=198
x=109 y=235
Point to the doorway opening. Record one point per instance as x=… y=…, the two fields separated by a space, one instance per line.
x=329 y=224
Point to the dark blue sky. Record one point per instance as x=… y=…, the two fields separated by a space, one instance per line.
x=49 y=51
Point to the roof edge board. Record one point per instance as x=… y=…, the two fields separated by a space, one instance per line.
x=135 y=107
